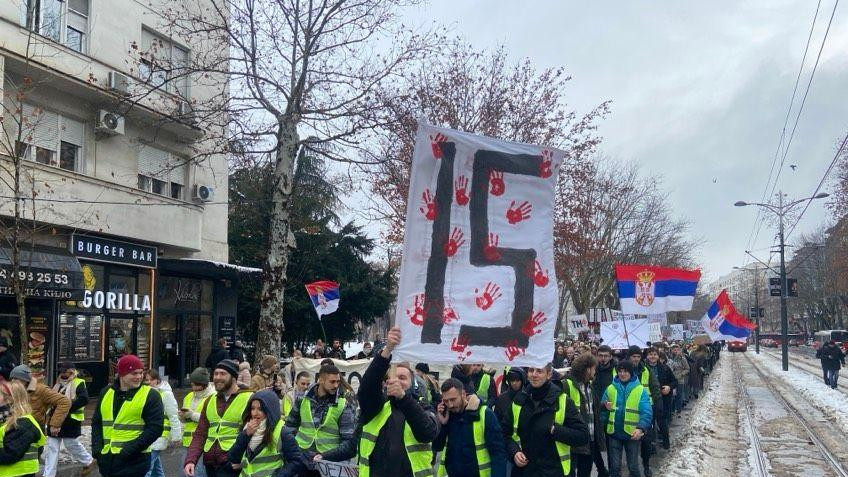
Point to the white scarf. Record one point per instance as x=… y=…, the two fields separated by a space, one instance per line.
x=256 y=438
x=66 y=386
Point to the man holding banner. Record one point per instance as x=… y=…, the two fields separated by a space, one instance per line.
x=396 y=428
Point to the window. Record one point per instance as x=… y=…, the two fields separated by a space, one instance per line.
x=51 y=139
x=63 y=21
x=160 y=172
x=163 y=63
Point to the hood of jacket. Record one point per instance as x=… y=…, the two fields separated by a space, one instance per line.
x=625 y=387
x=270 y=404
x=163 y=386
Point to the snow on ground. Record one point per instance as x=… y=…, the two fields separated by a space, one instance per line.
x=706 y=445
x=829 y=401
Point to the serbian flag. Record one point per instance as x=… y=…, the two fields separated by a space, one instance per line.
x=648 y=290
x=723 y=322
x=324 y=295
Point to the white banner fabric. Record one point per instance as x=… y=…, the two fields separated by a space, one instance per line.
x=622 y=334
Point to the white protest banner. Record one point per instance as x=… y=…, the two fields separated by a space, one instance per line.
x=695 y=327
x=624 y=333
x=578 y=323
x=655 y=335
x=677 y=332
x=337 y=469
x=660 y=318
x=475 y=281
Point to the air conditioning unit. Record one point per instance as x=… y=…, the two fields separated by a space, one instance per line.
x=203 y=193
x=119 y=83
x=109 y=123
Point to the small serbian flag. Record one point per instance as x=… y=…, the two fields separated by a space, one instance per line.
x=723 y=322
x=324 y=295
x=648 y=290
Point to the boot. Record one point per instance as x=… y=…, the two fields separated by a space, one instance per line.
x=646 y=466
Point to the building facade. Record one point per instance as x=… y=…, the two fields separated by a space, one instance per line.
x=124 y=243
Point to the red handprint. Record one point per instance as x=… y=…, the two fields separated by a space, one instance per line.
x=429 y=205
x=529 y=328
x=490 y=251
x=448 y=313
x=545 y=166
x=416 y=313
x=496 y=179
x=512 y=349
x=454 y=242
x=491 y=293
x=459 y=345
x=434 y=143
x=461 y=185
x=515 y=214
x=540 y=277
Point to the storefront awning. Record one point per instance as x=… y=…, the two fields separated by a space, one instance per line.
x=44 y=269
x=208 y=269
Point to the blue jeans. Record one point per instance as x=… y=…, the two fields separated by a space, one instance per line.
x=832 y=376
x=629 y=447
x=156 y=469
x=199 y=469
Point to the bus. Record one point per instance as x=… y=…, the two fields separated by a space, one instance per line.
x=839 y=336
x=774 y=340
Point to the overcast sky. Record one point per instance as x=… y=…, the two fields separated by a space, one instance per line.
x=700 y=91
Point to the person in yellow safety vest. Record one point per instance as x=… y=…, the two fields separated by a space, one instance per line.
x=220 y=421
x=173 y=427
x=126 y=422
x=470 y=438
x=192 y=404
x=396 y=428
x=72 y=387
x=264 y=447
x=543 y=426
x=582 y=374
x=626 y=415
x=20 y=434
x=652 y=384
x=322 y=420
x=301 y=384
x=484 y=384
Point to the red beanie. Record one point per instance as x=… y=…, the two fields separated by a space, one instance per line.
x=128 y=364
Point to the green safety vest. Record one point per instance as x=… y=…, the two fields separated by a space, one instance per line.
x=326 y=436
x=268 y=460
x=29 y=462
x=483 y=388
x=564 y=450
x=190 y=426
x=286 y=406
x=484 y=462
x=420 y=454
x=128 y=425
x=79 y=414
x=631 y=408
x=166 y=425
x=573 y=392
x=225 y=429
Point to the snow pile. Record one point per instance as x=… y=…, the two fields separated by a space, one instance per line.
x=704 y=446
x=829 y=401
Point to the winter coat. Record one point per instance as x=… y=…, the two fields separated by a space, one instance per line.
x=503 y=405
x=72 y=428
x=458 y=435
x=261 y=381
x=217 y=355
x=244 y=377
x=45 y=400
x=336 y=353
x=472 y=382
x=196 y=403
x=169 y=403
x=295 y=462
x=237 y=354
x=216 y=456
x=680 y=367
x=589 y=402
x=534 y=430
x=385 y=461
x=664 y=374
x=559 y=361
x=17 y=440
x=132 y=461
x=646 y=414
x=603 y=376
x=831 y=357
x=320 y=408
x=7 y=363
x=696 y=369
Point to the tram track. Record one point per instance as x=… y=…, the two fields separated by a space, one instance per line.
x=809 y=428
x=809 y=368
x=761 y=465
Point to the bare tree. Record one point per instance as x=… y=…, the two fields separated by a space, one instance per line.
x=301 y=74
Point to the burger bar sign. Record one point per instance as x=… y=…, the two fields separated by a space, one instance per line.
x=113 y=251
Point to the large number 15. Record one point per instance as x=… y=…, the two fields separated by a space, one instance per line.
x=482 y=253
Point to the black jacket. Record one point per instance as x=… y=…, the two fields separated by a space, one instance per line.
x=503 y=405
x=385 y=461
x=16 y=442
x=665 y=375
x=236 y=354
x=132 y=460
x=831 y=357
x=472 y=382
x=71 y=427
x=217 y=355
x=603 y=377
x=534 y=430
x=7 y=363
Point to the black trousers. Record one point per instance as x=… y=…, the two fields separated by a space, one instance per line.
x=225 y=470
x=598 y=458
x=581 y=465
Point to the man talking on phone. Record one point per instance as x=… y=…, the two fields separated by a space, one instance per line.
x=470 y=435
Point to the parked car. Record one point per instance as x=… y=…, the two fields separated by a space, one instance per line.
x=737 y=346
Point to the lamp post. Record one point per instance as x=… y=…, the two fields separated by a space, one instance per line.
x=756 y=272
x=780 y=210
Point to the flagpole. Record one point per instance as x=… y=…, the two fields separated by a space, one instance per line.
x=321 y=322
x=624 y=322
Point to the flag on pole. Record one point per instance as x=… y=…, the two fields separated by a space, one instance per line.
x=324 y=295
x=648 y=290
x=723 y=322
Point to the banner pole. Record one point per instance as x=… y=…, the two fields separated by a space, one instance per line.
x=624 y=323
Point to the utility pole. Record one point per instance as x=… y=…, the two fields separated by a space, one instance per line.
x=757 y=306
x=784 y=318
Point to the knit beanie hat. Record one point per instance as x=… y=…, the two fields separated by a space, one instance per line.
x=199 y=376
x=634 y=350
x=21 y=372
x=268 y=361
x=129 y=363
x=229 y=366
x=65 y=365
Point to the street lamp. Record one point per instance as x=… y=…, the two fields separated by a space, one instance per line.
x=756 y=271
x=780 y=210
